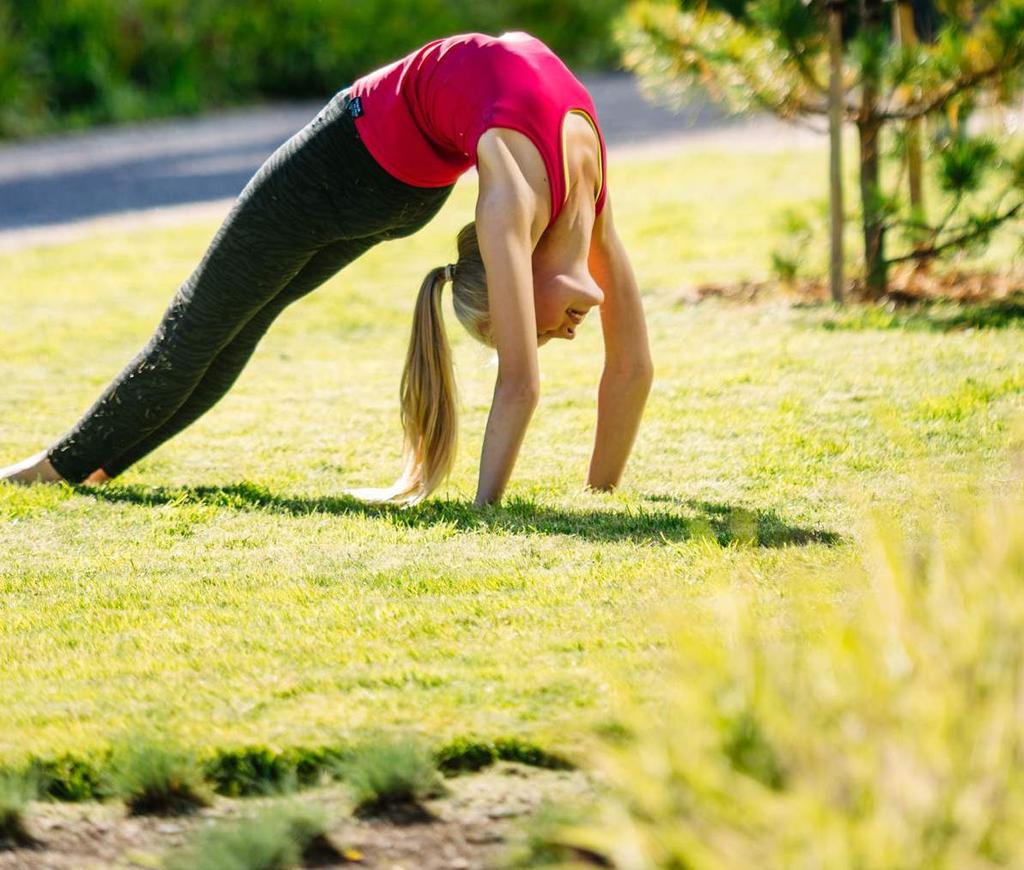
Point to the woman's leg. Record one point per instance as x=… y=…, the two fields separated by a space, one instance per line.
x=205 y=315
x=285 y=215
x=227 y=366
x=319 y=188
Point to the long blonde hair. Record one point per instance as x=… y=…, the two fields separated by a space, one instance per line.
x=428 y=394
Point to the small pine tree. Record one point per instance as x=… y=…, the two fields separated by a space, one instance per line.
x=773 y=55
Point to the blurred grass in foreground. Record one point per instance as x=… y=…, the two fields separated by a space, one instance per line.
x=223 y=594
x=883 y=733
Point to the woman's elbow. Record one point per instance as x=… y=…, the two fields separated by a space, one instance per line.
x=523 y=390
x=635 y=371
x=644 y=371
x=643 y=379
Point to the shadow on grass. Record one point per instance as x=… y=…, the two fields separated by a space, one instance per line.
x=939 y=316
x=686 y=520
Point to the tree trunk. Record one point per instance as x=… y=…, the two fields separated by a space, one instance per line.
x=904 y=21
x=869 y=126
x=875 y=273
x=836 y=97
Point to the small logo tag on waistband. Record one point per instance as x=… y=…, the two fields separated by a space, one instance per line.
x=355 y=107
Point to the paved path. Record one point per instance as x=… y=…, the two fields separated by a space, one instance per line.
x=149 y=172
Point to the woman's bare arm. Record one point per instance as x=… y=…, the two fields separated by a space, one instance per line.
x=628 y=370
x=504 y=214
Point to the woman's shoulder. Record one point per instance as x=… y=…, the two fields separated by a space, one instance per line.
x=509 y=165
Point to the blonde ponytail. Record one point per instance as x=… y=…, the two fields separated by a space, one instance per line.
x=429 y=412
x=428 y=395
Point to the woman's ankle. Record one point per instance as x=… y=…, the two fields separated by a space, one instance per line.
x=99 y=476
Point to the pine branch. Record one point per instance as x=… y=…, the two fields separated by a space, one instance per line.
x=787 y=106
x=982 y=228
x=799 y=55
x=913 y=111
x=731 y=74
x=935 y=230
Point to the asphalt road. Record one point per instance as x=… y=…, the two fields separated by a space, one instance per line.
x=70 y=178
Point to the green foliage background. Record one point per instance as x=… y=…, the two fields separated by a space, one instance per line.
x=75 y=62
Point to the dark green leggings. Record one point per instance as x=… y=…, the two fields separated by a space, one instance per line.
x=319 y=202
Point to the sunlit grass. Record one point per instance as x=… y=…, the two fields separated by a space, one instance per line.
x=224 y=593
x=880 y=733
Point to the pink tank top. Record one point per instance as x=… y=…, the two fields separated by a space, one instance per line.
x=422 y=116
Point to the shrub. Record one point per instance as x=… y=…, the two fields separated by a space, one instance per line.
x=251 y=771
x=273 y=840
x=789 y=258
x=886 y=733
x=464 y=755
x=154 y=779
x=259 y=770
x=67 y=778
x=79 y=61
x=16 y=790
x=391 y=775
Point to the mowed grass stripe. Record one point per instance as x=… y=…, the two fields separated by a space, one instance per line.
x=225 y=594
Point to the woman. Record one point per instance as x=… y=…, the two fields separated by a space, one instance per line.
x=378 y=163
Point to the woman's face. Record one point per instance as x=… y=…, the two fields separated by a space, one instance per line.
x=562 y=302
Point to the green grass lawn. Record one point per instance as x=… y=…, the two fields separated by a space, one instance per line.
x=224 y=593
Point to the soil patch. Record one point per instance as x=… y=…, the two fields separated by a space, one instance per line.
x=906 y=287
x=472 y=828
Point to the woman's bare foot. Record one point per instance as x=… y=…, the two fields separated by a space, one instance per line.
x=35 y=469
x=97 y=477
